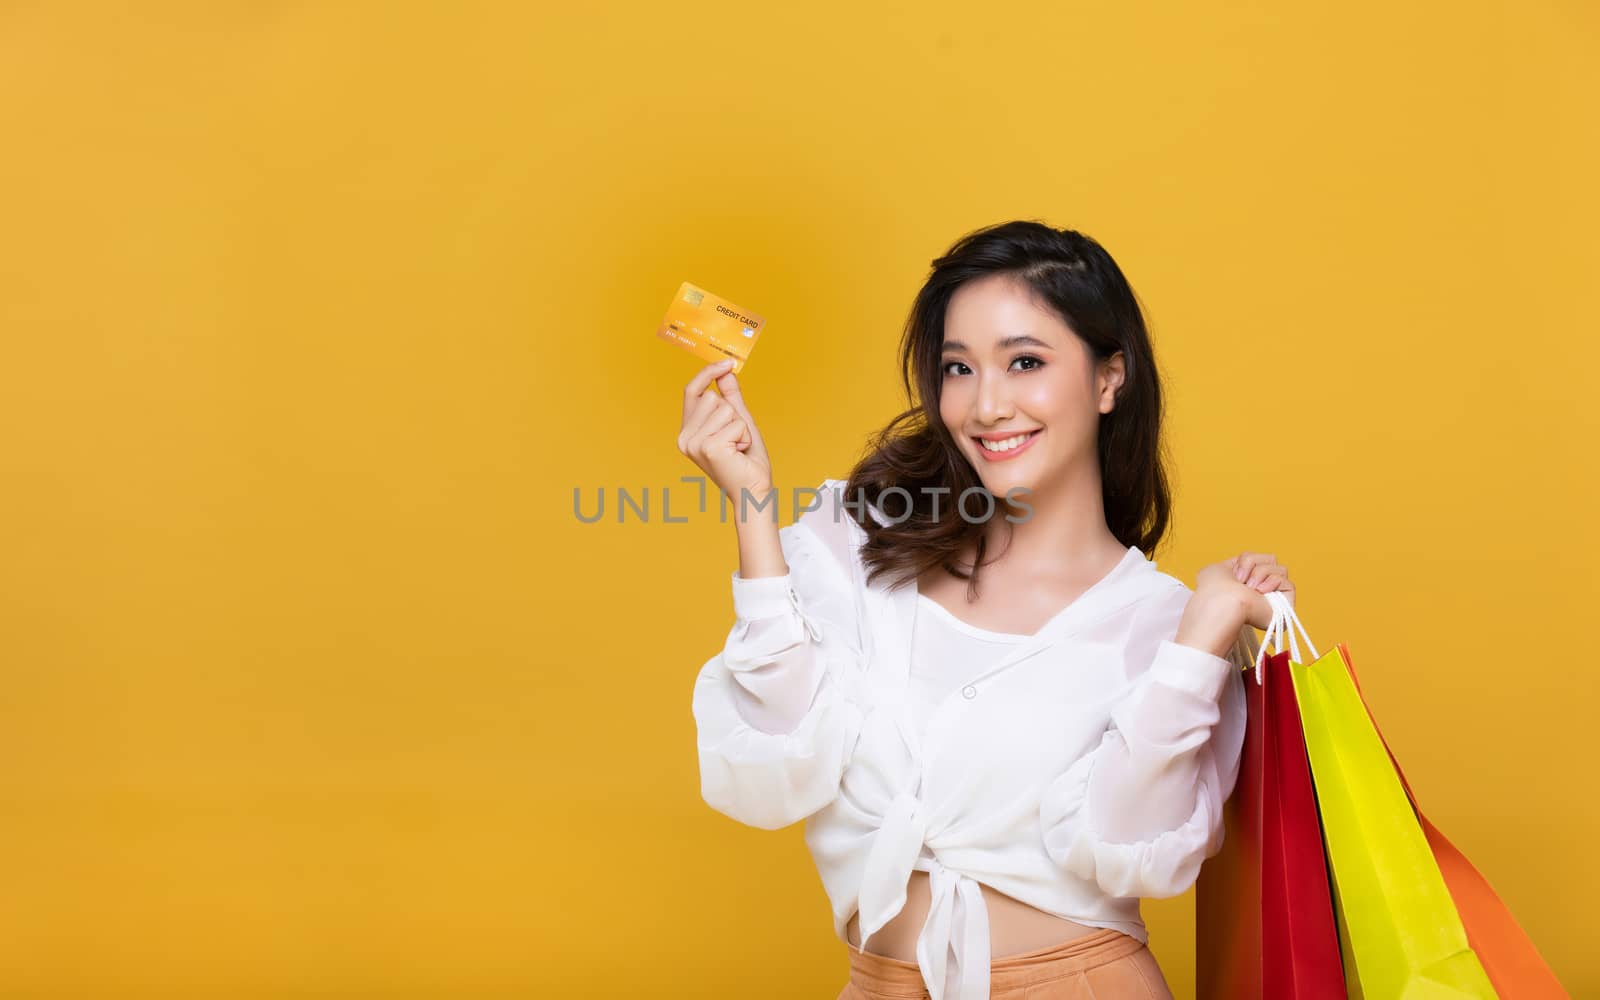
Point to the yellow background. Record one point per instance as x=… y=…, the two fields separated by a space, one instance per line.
x=314 y=316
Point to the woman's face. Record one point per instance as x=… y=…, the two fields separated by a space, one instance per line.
x=1022 y=394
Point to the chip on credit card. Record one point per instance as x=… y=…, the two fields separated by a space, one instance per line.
x=710 y=327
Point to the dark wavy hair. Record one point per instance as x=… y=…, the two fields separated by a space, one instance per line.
x=1079 y=280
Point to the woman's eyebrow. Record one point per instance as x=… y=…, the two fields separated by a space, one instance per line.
x=1018 y=340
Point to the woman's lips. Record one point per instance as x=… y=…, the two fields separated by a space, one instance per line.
x=1001 y=456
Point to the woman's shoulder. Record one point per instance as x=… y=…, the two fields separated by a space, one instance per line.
x=1148 y=597
x=1162 y=586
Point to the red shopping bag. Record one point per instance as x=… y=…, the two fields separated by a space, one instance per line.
x=1264 y=926
x=1514 y=966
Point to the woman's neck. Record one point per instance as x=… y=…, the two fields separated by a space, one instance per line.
x=1064 y=536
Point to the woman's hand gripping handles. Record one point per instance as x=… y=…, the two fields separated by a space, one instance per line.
x=719 y=435
x=1252 y=588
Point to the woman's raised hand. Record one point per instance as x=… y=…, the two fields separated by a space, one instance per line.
x=720 y=436
x=1229 y=595
x=1248 y=576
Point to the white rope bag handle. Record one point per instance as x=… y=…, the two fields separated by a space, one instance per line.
x=1284 y=623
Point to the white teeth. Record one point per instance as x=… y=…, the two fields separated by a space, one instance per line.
x=1004 y=445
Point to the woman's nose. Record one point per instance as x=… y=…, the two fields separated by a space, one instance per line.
x=994 y=402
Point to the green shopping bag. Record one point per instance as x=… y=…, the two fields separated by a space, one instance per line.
x=1399 y=931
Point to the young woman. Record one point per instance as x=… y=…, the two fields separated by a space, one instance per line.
x=992 y=773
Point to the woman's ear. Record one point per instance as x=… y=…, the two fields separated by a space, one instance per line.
x=1108 y=379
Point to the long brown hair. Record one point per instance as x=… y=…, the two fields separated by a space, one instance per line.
x=914 y=452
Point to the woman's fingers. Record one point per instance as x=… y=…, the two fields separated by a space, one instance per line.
x=733 y=432
x=714 y=424
x=1241 y=565
x=1251 y=563
x=1270 y=582
x=702 y=408
x=728 y=385
x=701 y=381
x=694 y=419
x=718 y=434
x=1260 y=571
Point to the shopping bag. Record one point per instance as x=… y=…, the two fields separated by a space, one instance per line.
x=1399 y=931
x=1264 y=925
x=1514 y=965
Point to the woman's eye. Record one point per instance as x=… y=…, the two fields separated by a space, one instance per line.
x=958 y=368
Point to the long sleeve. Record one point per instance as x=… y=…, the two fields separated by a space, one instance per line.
x=1141 y=811
x=776 y=710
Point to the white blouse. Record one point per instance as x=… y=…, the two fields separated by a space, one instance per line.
x=946 y=652
x=1077 y=769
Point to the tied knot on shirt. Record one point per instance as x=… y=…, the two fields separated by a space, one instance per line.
x=956 y=931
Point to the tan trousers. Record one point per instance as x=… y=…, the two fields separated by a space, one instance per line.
x=1105 y=965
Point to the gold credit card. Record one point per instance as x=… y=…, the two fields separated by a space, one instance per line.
x=710 y=327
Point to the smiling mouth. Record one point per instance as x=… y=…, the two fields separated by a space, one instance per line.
x=1006 y=444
